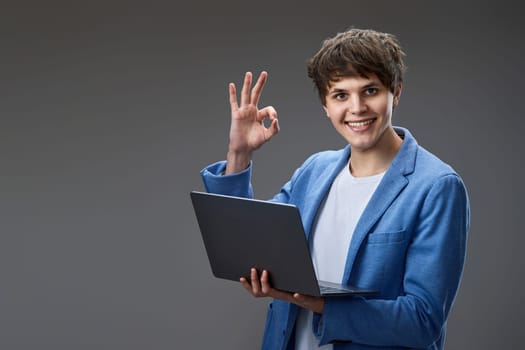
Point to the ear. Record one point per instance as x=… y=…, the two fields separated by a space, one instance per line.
x=326 y=111
x=397 y=95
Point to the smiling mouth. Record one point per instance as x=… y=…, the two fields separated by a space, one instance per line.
x=360 y=124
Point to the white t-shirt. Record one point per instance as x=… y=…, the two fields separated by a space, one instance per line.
x=330 y=240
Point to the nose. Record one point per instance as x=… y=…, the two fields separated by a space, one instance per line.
x=356 y=105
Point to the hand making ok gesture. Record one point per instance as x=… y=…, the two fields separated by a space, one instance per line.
x=247 y=130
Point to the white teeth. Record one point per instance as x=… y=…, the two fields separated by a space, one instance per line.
x=360 y=124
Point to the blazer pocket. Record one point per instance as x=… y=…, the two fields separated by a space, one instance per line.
x=387 y=237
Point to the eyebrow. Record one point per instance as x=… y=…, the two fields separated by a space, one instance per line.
x=370 y=85
x=334 y=91
x=364 y=87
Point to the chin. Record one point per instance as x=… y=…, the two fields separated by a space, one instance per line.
x=362 y=145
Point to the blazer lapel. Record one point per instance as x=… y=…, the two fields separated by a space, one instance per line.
x=392 y=184
x=320 y=191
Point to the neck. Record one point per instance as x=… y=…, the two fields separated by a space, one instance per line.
x=377 y=159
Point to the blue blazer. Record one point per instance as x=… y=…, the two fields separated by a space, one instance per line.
x=409 y=244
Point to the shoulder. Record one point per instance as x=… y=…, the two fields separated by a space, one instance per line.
x=326 y=157
x=437 y=182
x=319 y=168
x=416 y=161
x=324 y=162
x=423 y=170
x=430 y=165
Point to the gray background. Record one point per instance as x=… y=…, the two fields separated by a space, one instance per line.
x=110 y=109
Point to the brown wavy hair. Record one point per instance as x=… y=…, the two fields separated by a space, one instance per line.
x=357 y=52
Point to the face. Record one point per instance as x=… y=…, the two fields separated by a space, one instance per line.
x=361 y=111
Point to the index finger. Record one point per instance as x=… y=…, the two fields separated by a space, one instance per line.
x=268 y=290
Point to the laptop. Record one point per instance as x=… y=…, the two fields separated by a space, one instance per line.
x=241 y=233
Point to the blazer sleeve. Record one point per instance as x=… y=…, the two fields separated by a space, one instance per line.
x=433 y=268
x=238 y=184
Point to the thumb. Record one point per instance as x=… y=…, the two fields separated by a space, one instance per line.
x=274 y=127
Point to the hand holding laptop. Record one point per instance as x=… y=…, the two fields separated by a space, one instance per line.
x=262 y=288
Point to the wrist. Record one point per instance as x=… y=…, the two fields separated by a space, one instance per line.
x=237 y=162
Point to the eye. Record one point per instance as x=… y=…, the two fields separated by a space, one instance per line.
x=371 y=91
x=340 y=96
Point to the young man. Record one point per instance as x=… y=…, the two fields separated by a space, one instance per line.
x=382 y=213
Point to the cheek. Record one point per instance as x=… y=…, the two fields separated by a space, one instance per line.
x=333 y=111
x=384 y=108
